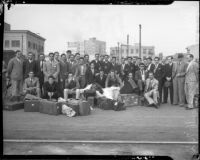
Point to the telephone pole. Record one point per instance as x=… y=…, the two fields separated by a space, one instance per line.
x=140 y=27
x=127 y=45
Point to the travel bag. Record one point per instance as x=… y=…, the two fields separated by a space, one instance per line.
x=50 y=107
x=13 y=106
x=84 y=108
x=106 y=104
x=129 y=100
x=74 y=104
x=31 y=105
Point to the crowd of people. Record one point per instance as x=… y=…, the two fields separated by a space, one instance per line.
x=64 y=75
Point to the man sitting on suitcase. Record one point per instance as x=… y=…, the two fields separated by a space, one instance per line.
x=71 y=86
x=32 y=85
x=151 y=90
x=51 y=89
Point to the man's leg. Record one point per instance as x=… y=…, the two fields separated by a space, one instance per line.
x=160 y=86
x=191 y=92
x=13 y=87
x=165 y=94
x=66 y=93
x=181 y=91
x=148 y=97
x=140 y=86
x=155 y=97
x=171 y=93
x=175 y=91
x=38 y=92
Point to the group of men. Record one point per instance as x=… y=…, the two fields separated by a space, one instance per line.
x=62 y=75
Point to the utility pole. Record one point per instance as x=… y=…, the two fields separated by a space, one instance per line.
x=118 y=51
x=127 y=45
x=140 y=40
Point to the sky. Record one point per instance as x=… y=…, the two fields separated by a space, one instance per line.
x=170 y=28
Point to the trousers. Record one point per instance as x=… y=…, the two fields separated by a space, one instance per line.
x=152 y=96
x=178 y=90
x=17 y=87
x=191 y=88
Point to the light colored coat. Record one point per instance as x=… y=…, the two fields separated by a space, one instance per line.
x=154 y=84
x=192 y=73
x=51 y=69
x=181 y=71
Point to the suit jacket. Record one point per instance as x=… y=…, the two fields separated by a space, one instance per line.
x=34 y=83
x=73 y=84
x=39 y=67
x=72 y=67
x=107 y=67
x=29 y=66
x=51 y=69
x=51 y=88
x=168 y=70
x=154 y=85
x=100 y=81
x=15 y=69
x=116 y=68
x=192 y=73
x=151 y=68
x=179 y=69
x=110 y=81
x=97 y=65
x=159 y=72
x=138 y=75
x=78 y=70
x=64 y=69
x=129 y=68
x=89 y=76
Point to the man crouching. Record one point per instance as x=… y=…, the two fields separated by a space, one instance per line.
x=151 y=90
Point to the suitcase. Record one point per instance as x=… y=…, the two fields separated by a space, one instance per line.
x=50 y=107
x=31 y=105
x=106 y=104
x=84 y=108
x=74 y=104
x=13 y=106
x=129 y=100
x=91 y=101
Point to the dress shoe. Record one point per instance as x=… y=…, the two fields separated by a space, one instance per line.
x=181 y=105
x=164 y=102
x=156 y=106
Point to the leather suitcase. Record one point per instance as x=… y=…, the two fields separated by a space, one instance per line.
x=91 y=101
x=31 y=105
x=50 y=107
x=13 y=106
x=74 y=104
x=129 y=100
x=84 y=108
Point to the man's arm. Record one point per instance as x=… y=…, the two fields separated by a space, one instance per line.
x=57 y=71
x=10 y=67
x=107 y=79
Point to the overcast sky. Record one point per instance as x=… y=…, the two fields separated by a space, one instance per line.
x=169 y=28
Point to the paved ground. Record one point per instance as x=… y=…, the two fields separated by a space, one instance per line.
x=169 y=123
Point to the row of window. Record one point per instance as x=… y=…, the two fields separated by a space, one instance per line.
x=131 y=51
x=14 y=43
x=35 y=46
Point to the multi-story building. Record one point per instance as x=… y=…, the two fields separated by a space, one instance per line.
x=193 y=49
x=23 y=40
x=90 y=47
x=132 y=50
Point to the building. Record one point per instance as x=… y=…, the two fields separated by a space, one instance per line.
x=132 y=50
x=193 y=49
x=23 y=40
x=90 y=47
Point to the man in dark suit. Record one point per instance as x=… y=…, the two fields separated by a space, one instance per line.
x=87 y=60
x=101 y=79
x=129 y=68
x=101 y=62
x=51 y=89
x=137 y=65
x=159 y=73
x=96 y=63
x=40 y=73
x=168 y=80
x=90 y=74
x=115 y=66
x=151 y=66
x=29 y=65
x=107 y=65
x=68 y=53
x=122 y=67
x=140 y=78
x=72 y=65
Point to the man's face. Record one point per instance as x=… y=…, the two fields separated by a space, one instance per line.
x=41 y=57
x=56 y=56
x=71 y=58
x=148 y=61
x=77 y=57
x=169 y=59
x=68 y=54
x=31 y=74
x=141 y=67
x=150 y=75
x=51 y=80
x=101 y=73
x=106 y=58
x=70 y=76
x=112 y=73
x=86 y=58
x=81 y=61
x=64 y=57
x=113 y=60
x=156 y=61
x=101 y=58
x=180 y=59
x=129 y=60
x=92 y=65
x=130 y=75
x=145 y=61
x=19 y=54
x=97 y=57
x=138 y=61
x=188 y=58
x=123 y=61
x=30 y=56
x=51 y=56
x=134 y=60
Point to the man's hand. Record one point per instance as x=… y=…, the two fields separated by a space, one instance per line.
x=168 y=78
x=49 y=94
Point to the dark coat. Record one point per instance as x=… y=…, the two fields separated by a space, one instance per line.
x=100 y=81
x=168 y=70
x=51 y=88
x=97 y=65
x=129 y=68
x=89 y=76
x=138 y=75
x=27 y=67
x=159 y=72
x=107 y=67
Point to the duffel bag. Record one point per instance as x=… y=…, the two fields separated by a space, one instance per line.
x=74 y=104
x=106 y=104
x=118 y=106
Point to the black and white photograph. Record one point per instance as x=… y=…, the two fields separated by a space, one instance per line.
x=101 y=79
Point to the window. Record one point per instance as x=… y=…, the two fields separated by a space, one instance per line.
x=126 y=50
x=144 y=51
x=42 y=48
x=29 y=44
x=15 y=43
x=137 y=50
x=132 y=51
x=7 y=43
x=122 y=51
